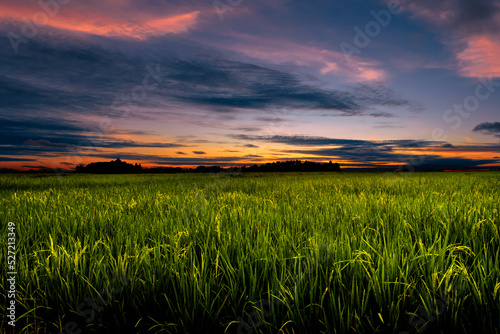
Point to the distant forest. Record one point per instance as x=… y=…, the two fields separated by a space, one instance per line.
x=121 y=167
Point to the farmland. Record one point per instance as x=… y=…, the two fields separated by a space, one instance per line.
x=254 y=253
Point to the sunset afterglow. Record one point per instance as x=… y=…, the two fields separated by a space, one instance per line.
x=365 y=83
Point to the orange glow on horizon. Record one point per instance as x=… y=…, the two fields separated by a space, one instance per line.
x=55 y=163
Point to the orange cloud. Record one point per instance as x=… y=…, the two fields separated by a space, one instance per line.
x=105 y=25
x=175 y=24
x=156 y=27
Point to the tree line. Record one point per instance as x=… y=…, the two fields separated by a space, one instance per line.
x=121 y=167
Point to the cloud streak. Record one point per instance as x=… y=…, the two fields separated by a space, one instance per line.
x=81 y=17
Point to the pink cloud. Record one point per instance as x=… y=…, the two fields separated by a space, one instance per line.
x=480 y=58
x=325 y=62
x=472 y=32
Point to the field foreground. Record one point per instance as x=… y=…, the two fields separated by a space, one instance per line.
x=254 y=253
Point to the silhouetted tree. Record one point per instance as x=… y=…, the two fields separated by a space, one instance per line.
x=121 y=167
x=113 y=167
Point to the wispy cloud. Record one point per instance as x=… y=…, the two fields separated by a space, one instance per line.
x=82 y=17
x=480 y=57
x=324 y=61
x=299 y=140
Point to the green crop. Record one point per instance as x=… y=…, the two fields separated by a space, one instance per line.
x=254 y=253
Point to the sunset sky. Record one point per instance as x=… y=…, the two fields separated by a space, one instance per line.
x=240 y=82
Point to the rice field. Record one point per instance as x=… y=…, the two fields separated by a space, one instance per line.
x=254 y=253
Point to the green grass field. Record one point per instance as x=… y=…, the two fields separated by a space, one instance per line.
x=254 y=253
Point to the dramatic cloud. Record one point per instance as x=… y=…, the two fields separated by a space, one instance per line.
x=56 y=68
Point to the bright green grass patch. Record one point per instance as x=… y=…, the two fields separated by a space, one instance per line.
x=255 y=253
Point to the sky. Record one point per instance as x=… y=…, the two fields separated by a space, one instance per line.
x=367 y=84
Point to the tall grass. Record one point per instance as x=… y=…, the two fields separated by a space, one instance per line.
x=261 y=253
